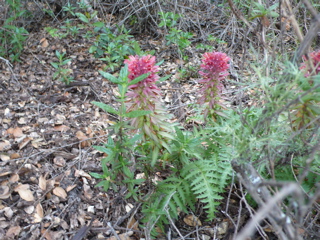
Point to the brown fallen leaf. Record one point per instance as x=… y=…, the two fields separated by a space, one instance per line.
x=52 y=235
x=5 y=173
x=192 y=220
x=60 y=192
x=83 y=231
x=69 y=188
x=5 y=145
x=24 y=192
x=16 y=132
x=4 y=192
x=88 y=192
x=38 y=215
x=4 y=157
x=14 y=178
x=8 y=212
x=123 y=236
x=29 y=209
x=13 y=231
x=59 y=161
x=37 y=143
x=22 y=120
x=46 y=233
x=15 y=156
x=222 y=228
x=81 y=173
x=44 y=43
x=83 y=138
x=24 y=142
x=42 y=183
x=39 y=210
x=61 y=128
x=133 y=224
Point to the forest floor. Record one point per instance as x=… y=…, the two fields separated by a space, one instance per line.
x=48 y=130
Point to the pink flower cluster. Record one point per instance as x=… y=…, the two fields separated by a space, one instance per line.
x=214 y=69
x=145 y=95
x=315 y=60
x=145 y=92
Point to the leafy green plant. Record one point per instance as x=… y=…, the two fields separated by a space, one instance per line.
x=259 y=10
x=70 y=26
x=198 y=161
x=13 y=36
x=198 y=172
x=208 y=44
x=70 y=29
x=187 y=72
x=55 y=32
x=175 y=36
x=168 y=19
x=69 y=8
x=113 y=48
x=180 y=39
x=120 y=155
x=271 y=135
x=63 y=74
x=87 y=17
x=198 y=167
x=308 y=108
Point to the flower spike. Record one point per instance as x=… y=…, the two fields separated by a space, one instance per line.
x=214 y=69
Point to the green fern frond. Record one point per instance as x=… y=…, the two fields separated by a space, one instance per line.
x=172 y=196
x=182 y=195
x=207 y=180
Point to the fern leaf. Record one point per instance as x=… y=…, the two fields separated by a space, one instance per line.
x=207 y=181
x=174 y=195
x=182 y=197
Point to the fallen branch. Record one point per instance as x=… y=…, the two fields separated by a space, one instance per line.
x=282 y=223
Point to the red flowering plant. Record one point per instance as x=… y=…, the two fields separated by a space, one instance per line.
x=213 y=71
x=139 y=109
x=308 y=107
x=145 y=95
x=311 y=67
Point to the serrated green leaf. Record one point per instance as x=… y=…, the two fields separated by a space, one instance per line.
x=98 y=24
x=123 y=75
x=154 y=156
x=96 y=175
x=164 y=78
x=139 y=79
x=65 y=61
x=315 y=109
x=92 y=49
x=103 y=149
x=105 y=184
x=159 y=63
x=110 y=77
x=180 y=135
x=166 y=146
x=127 y=172
x=133 y=140
x=139 y=181
x=55 y=65
x=82 y=17
x=166 y=135
x=137 y=113
x=105 y=107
